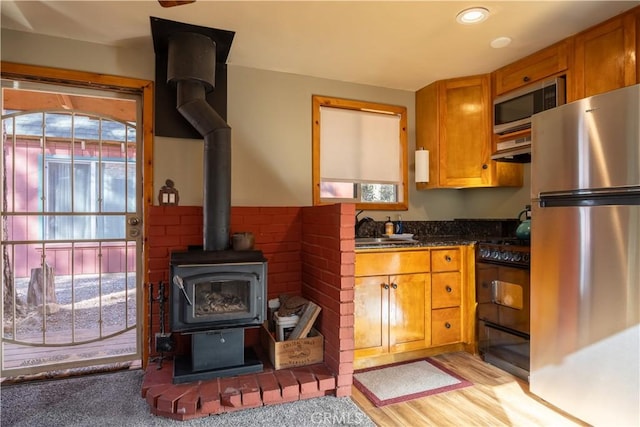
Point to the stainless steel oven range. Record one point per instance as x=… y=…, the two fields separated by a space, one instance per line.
x=503 y=296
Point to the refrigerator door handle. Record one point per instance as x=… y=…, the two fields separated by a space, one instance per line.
x=594 y=197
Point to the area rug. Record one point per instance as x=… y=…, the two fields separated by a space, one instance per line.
x=404 y=381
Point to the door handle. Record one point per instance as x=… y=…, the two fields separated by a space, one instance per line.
x=134 y=227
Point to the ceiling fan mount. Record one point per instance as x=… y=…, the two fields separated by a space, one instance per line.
x=169 y=3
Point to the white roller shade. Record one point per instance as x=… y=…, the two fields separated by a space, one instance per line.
x=359 y=146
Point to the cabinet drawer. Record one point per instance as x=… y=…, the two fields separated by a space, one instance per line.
x=400 y=262
x=445 y=260
x=446 y=326
x=445 y=289
x=542 y=64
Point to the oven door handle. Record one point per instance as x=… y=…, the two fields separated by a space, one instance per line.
x=507 y=294
x=494 y=292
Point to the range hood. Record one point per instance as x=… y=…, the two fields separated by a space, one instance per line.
x=514 y=150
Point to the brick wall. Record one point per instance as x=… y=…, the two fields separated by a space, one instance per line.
x=328 y=279
x=277 y=232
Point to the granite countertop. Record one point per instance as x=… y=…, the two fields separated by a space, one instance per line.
x=422 y=242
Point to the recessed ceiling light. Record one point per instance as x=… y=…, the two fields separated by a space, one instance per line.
x=472 y=15
x=500 y=42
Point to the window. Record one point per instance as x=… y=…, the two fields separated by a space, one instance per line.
x=80 y=193
x=359 y=153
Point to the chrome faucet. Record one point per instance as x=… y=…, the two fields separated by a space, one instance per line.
x=360 y=222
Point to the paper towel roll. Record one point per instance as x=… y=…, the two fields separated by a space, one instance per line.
x=422 y=165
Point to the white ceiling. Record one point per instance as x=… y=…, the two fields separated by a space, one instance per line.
x=395 y=44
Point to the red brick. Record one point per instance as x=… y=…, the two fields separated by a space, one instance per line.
x=154 y=392
x=308 y=382
x=326 y=380
x=230 y=392
x=345 y=380
x=210 y=397
x=343 y=391
x=269 y=388
x=188 y=404
x=154 y=377
x=288 y=384
x=167 y=402
x=250 y=391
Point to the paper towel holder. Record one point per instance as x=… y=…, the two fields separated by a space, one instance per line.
x=422 y=165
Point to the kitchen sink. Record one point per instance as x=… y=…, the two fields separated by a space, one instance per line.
x=382 y=242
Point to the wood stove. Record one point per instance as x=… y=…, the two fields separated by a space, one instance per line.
x=216 y=293
x=215 y=296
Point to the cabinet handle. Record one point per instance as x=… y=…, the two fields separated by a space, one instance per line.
x=448 y=288
x=447 y=325
x=485 y=166
x=526 y=78
x=385 y=285
x=394 y=285
x=447 y=258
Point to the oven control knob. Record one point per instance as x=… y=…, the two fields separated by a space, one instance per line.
x=495 y=254
x=505 y=255
x=525 y=258
x=517 y=256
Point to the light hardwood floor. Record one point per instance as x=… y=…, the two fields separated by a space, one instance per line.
x=496 y=398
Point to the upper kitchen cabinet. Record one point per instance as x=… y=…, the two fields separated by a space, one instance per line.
x=547 y=62
x=605 y=57
x=453 y=122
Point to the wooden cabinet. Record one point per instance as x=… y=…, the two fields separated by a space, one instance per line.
x=413 y=303
x=605 y=57
x=446 y=296
x=547 y=62
x=453 y=122
x=392 y=291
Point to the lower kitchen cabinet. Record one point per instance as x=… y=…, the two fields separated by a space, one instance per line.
x=413 y=303
x=390 y=314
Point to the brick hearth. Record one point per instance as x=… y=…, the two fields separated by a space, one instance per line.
x=219 y=395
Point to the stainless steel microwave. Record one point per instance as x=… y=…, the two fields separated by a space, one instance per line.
x=512 y=111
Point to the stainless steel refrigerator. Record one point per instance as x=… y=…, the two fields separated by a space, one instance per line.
x=585 y=258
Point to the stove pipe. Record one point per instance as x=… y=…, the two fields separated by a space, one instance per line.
x=191 y=64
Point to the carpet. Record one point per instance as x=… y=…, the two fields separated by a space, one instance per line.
x=404 y=381
x=114 y=400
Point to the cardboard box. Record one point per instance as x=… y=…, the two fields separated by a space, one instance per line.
x=288 y=354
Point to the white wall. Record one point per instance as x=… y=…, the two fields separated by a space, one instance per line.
x=270 y=116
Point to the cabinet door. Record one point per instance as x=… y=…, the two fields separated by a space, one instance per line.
x=538 y=66
x=408 y=308
x=371 y=317
x=605 y=58
x=465 y=132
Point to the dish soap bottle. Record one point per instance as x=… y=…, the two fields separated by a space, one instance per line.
x=388 y=227
x=399 y=225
